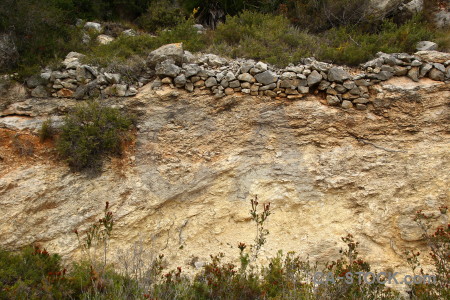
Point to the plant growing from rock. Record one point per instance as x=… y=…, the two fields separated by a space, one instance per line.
x=439 y=245
x=90 y=132
x=260 y=220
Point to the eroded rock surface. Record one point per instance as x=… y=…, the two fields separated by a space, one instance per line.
x=184 y=188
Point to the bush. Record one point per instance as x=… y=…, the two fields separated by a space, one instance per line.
x=160 y=14
x=262 y=36
x=40 y=30
x=89 y=133
x=47 y=131
x=31 y=273
x=349 y=45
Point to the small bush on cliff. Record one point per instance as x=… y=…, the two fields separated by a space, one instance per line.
x=89 y=133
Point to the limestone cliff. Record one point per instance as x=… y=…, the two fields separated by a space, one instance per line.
x=183 y=187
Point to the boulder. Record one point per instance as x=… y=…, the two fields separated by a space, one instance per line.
x=39 y=92
x=414 y=74
x=246 y=77
x=433 y=56
x=210 y=82
x=337 y=74
x=314 y=78
x=112 y=78
x=266 y=77
x=333 y=100
x=426 y=45
x=168 y=68
x=129 y=32
x=191 y=69
x=170 y=51
x=180 y=80
x=437 y=75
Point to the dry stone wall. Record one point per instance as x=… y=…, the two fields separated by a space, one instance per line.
x=171 y=65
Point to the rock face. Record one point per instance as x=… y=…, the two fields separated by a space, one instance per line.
x=184 y=189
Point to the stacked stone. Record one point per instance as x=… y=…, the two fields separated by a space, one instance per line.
x=79 y=81
x=171 y=65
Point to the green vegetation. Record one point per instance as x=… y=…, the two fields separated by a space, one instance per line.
x=37 y=33
x=89 y=133
x=33 y=273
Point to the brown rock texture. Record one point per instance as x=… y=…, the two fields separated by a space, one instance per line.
x=184 y=188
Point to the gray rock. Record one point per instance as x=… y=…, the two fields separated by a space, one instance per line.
x=346 y=104
x=289 y=83
x=93 y=26
x=414 y=74
x=224 y=83
x=268 y=87
x=437 y=75
x=296 y=69
x=303 y=89
x=439 y=66
x=349 y=85
x=180 y=80
x=288 y=75
x=246 y=77
x=361 y=106
x=131 y=91
x=340 y=88
x=400 y=71
x=384 y=75
x=210 y=82
x=72 y=60
x=167 y=68
x=230 y=76
x=112 y=78
x=84 y=90
x=189 y=87
x=361 y=101
x=266 y=77
x=261 y=66
x=426 y=45
x=34 y=81
x=374 y=63
x=337 y=74
x=323 y=85
x=333 y=100
x=246 y=66
x=188 y=57
x=314 y=78
x=215 y=60
x=425 y=69
x=46 y=76
x=191 y=69
x=416 y=63
x=121 y=89
x=235 y=84
x=93 y=70
x=170 y=51
x=39 y=92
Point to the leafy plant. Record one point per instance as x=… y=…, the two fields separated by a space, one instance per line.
x=90 y=132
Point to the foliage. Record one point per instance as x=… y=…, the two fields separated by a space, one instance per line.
x=352 y=46
x=262 y=36
x=159 y=15
x=47 y=131
x=40 y=31
x=90 y=132
x=129 y=51
x=439 y=244
x=32 y=273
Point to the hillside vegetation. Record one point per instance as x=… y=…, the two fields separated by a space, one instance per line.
x=35 y=33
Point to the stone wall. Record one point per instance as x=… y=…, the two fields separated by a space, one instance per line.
x=171 y=65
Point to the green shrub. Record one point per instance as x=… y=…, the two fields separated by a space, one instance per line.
x=349 y=45
x=89 y=133
x=263 y=36
x=160 y=14
x=31 y=273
